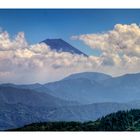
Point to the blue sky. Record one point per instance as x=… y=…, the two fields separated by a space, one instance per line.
x=49 y=23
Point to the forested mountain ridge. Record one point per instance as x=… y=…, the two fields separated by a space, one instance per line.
x=119 y=121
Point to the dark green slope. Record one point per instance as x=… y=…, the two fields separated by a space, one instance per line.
x=120 y=121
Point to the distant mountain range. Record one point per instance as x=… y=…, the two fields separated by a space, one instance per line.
x=91 y=87
x=62 y=46
x=78 y=97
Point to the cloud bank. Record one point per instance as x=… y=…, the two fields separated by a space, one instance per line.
x=21 y=62
x=120 y=47
x=24 y=63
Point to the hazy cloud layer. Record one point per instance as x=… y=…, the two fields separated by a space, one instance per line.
x=24 y=63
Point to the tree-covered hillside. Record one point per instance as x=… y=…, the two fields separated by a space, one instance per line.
x=120 y=121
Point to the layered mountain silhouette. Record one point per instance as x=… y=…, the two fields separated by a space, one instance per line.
x=93 y=87
x=62 y=46
x=78 y=97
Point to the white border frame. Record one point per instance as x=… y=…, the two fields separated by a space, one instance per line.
x=69 y=4
x=72 y=4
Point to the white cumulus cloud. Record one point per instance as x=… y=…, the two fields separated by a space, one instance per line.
x=21 y=62
x=119 y=47
x=24 y=63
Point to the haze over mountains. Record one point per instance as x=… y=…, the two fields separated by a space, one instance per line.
x=79 y=97
x=92 y=87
